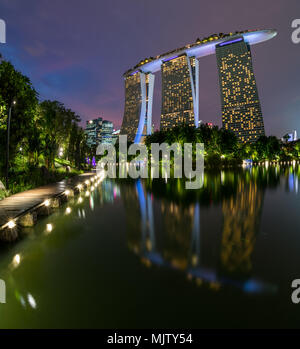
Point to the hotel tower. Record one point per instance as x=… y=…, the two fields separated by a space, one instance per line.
x=180 y=92
x=241 y=111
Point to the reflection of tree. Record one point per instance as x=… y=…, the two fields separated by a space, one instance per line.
x=217 y=187
x=242 y=214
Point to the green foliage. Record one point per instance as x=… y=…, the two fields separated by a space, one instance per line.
x=37 y=132
x=222 y=147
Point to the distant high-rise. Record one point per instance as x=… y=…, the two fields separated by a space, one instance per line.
x=115 y=136
x=241 y=111
x=93 y=131
x=180 y=97
x=106 y=132
x=138 y=106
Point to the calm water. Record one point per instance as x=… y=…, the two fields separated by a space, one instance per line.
x=151 y=254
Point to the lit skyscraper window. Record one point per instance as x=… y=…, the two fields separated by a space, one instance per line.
x=241 y=111
x=179 y=91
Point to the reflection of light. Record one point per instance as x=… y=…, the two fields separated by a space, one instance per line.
x=92 y=188
x=91 y=202
x=80 y=200
x=87 y=193
x=194 y=260
x=222 y=177
x=87 y=182
x=67 y=192
x=16 y=260
x=92 y=179
x=47 y=203
x=11 y=224
x=31 y=301
x=79 y=186
x=22 y=301
x=49 y=227
x=267 y=164
x=291 y=181
x=68 y=210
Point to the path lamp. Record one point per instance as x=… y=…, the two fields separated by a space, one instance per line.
x=7 y=144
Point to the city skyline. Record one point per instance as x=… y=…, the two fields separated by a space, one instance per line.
x=88 y=77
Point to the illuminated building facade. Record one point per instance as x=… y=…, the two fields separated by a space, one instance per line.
x=93 y=131
x=138 y=106
x=180 y=92
x=107 y=132
x=241 y=111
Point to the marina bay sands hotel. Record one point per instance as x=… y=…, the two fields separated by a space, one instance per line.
x=241 y=110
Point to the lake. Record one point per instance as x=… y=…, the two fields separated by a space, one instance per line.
x=151 y=254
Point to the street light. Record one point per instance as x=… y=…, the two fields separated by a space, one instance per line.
x=7 y=144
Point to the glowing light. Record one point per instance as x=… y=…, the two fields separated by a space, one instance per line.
x=92 y=179
x=79 y=186
x=92 y=188
x=11 y=224
x=16 y=260
x=230 y=42
x=49 y=227
x=67 y=192
x=31 y=301
x=87 y=193
x=92 y=203
x=87 y=182
x=68 y=210
x=47 y=203
x=80 y=200
x=169 y=59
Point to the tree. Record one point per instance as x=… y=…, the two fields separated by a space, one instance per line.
x=15 y=86
x=57 y=121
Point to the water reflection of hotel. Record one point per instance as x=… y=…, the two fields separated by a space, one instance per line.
x=180 y=245
x=241 y=218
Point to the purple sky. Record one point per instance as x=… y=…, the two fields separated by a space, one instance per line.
x=76 y=51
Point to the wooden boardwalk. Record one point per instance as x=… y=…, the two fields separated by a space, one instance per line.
x=17 y=204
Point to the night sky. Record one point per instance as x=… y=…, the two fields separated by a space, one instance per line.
x=76 y=51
